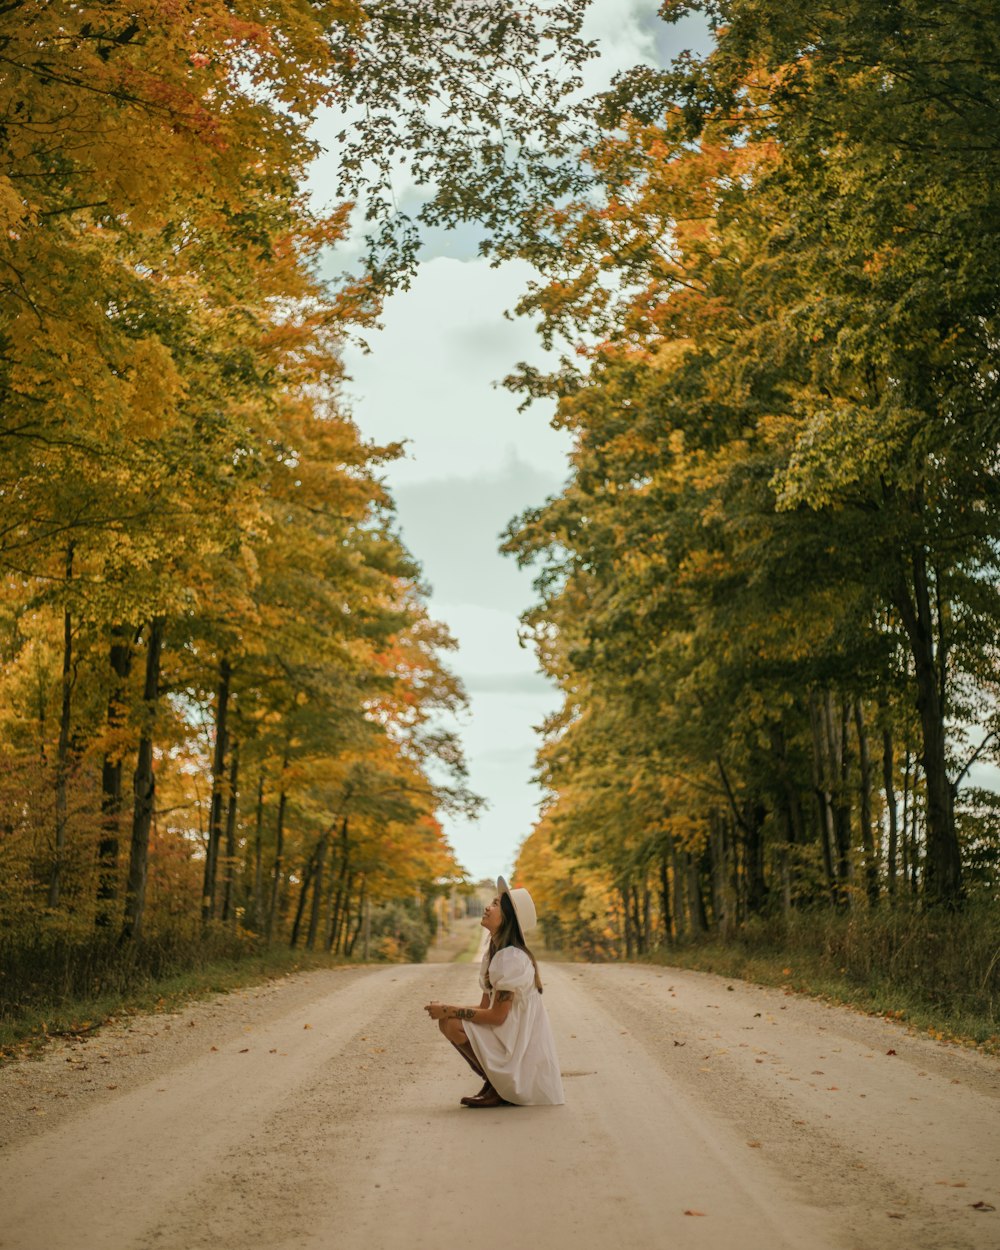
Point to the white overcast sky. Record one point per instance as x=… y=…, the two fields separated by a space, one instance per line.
x=473 y=461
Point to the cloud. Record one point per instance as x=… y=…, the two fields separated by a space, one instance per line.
x=432 y=371
x=504 y=683
x=454 y=525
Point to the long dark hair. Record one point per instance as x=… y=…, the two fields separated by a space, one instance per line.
x=509 y=934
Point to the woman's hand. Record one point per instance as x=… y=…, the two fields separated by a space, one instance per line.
x=436 y=1010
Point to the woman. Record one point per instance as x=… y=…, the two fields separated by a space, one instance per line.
x=507 y=1039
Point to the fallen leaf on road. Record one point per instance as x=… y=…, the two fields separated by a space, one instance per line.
x=213 y=1048
x=754 y=1145
x=694 y=1212
x=309 y=1026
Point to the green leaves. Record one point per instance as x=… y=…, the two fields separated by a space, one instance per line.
x=785 y=293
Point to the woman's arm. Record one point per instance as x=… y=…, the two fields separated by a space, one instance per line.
x=494 y=1015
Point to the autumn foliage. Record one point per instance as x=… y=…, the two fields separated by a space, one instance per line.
x=220 y=692
x=768 y=590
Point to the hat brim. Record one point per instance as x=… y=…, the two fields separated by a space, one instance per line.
x=504 y=888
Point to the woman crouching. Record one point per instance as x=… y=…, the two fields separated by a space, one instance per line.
x=507 y=1039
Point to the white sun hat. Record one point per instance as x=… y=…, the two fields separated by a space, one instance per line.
x=521 y=901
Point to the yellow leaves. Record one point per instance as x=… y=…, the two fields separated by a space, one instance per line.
x=156 y=387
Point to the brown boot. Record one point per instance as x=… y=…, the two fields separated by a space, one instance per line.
x=489 y=1099
x=469 y=1099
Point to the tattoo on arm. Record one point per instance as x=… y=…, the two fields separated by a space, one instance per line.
x=505 y=996
x=465 y=1013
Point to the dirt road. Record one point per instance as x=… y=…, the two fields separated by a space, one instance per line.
x=322 y=1111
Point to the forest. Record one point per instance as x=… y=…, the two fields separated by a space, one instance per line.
x=767 y=593
x=222 y=698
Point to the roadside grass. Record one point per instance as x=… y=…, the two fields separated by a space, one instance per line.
x=26 y=1028
x=806 y=974
x=938 y=973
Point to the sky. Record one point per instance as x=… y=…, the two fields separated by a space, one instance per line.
x=473 y=462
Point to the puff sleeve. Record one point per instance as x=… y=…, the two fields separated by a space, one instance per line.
x=512 y=970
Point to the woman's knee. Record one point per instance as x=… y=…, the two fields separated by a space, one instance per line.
x=453 y=1031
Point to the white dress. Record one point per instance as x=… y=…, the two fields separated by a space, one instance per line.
x=519 y=1056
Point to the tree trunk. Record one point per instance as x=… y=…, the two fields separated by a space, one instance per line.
x=307 y=876
x=62 y=750
x=258 y=854
x=678 y=889
x=837 y=774
x=228 y=908
x=867 y=833
x=915 y=833
x=339 y=899
x=757 y=888
x=665 y=909
x=904 y=841
x=943 y=869
x=637 y=929
x=144 y=787
x=699 y=921
x=362 y=896
x=317 y=898
x=627 y=925
x=111 y=777
x=791 y=815
x=720 y=873
x=888 y=784
x=340 y=944
x=218 y=791
x=824 y=799
x=279 y=852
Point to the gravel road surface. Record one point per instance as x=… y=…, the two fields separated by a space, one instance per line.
x=322 y=1111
